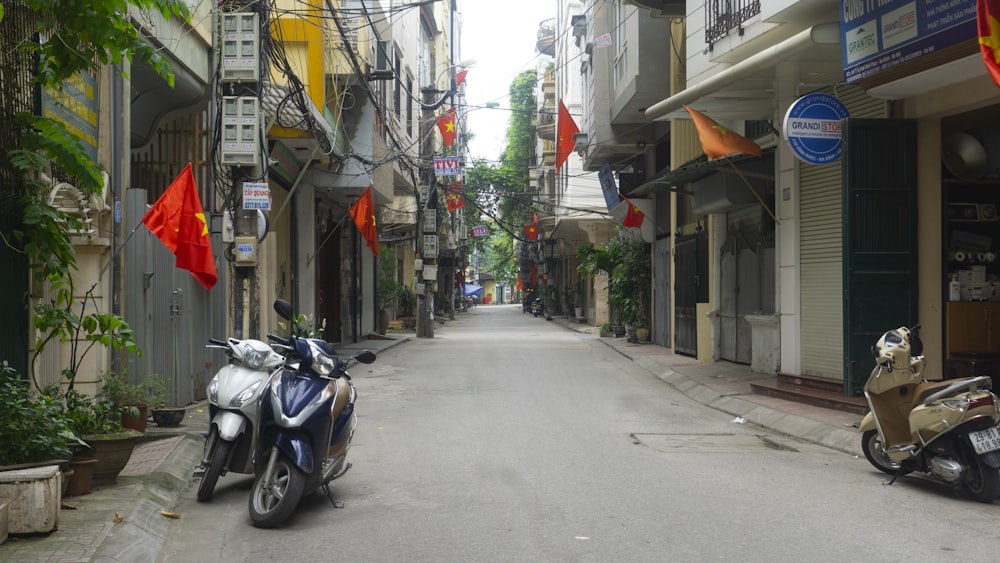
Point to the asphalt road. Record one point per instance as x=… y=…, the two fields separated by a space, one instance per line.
x=509 y=438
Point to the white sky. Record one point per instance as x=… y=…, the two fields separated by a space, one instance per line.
x=501 y=37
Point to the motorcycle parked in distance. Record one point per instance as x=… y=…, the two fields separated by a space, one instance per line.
x=944 y=429
x=307 y=420
x=233 y=397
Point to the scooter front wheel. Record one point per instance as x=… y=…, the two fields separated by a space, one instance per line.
x=874 y=449
x=207 y=485
x=982 y=482
x=273 y=504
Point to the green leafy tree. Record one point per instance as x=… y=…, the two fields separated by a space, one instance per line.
x=64 y=38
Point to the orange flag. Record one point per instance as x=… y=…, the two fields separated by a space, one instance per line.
x=178 y=220
x=363 y=213
x=718 y=141
x=634 y=217
x=460 y=77
x=446 y=124
x=564 y=141
x=987 y=12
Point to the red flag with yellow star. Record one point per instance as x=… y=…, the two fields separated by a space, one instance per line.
x=987 y=12
x=634 y=217
x=531 y=231
x=566 y=129
x=717 y=141
x=446 y=124
x=363 y=213
x=178 y=220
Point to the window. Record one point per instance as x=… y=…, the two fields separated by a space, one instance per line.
x=618 y=32
x=397 y=94
x=409 y=106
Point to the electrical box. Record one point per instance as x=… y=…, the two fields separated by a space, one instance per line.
x=241 y=128
x=246 y=251
x=240 y=47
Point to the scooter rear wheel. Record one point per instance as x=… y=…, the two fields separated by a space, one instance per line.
x=273 y=505
x=207 y=485
x=874 y=449
x=982 y=482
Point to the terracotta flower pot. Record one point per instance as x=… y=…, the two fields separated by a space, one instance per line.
x=82 y=478
x=112 y=452
x=137 y=423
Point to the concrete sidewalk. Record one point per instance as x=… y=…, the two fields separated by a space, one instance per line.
x=125 y=522
x=726 y=387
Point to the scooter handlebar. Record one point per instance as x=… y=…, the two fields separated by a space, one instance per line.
x=283 y=341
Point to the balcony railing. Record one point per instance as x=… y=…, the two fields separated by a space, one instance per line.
x=722 y=16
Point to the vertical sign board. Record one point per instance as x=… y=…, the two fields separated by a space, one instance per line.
x=876 y=36
x=75 y=106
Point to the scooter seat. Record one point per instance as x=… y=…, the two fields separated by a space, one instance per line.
x=926 y=388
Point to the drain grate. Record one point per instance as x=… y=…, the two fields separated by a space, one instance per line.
x=709 y=443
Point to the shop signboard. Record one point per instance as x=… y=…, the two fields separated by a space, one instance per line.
x=877 y=36
x=812 y=127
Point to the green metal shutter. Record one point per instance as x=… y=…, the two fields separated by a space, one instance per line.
x=880 y=237
x=821 y=251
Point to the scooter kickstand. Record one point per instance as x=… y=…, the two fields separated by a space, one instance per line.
x=896 y=476
x=329 y=495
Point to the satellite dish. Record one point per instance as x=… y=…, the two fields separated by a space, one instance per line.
x=964 y=156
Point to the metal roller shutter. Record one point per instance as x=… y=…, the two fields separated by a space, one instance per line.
x=821 y=251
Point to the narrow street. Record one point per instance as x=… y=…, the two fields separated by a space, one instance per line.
x=509 y=438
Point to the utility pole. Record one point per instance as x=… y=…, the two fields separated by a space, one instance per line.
x=241 y=153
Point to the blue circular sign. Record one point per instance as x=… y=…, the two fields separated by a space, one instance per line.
x=812 y=127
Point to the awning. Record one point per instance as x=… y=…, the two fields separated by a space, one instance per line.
x=281 y=108
x=686 y=174
x=473 y=290
x=748 y=89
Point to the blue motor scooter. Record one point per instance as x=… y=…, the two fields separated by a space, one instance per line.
x=306 y=423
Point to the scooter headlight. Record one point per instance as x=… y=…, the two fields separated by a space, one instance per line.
x=245 y=395
x=213 y=390
x=323 y=364
x=252 y=358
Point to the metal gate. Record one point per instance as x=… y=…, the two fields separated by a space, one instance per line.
x=690 y=288
x=747 y=286
x=661 y=292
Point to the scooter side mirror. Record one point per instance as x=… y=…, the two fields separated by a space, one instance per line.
x=284 y=309
x=365 y=356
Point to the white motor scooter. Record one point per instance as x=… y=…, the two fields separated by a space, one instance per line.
x=233 y=402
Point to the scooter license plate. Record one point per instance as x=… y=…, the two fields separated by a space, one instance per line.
x=985 y=440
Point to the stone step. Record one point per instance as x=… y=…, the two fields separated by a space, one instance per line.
x=811 y=394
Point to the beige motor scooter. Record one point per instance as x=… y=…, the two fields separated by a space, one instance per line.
x=944 y=429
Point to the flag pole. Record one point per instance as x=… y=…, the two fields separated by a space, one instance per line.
x=119 y=250
x=322 y=244
x=753 y=191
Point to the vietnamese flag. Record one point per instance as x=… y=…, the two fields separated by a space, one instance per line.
x=717 y=141
x=460 y=77
x=454 y=198
x=634 y=217
x=987 y=12
x=566 y=128
x=446 y=124
x=178 y=220
x=363 y=213
x=531 y=231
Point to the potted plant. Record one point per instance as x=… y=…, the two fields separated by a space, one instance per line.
x=164 y=414
x=34 y=427
x=388 y=287
x=134 y=399
x=407 y=303
x=98 y=422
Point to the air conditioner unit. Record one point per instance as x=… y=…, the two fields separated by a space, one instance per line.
x=381 y=67
x=581 y=141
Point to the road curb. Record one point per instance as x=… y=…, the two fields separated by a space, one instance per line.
x=844 y=440
x=140 y=534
